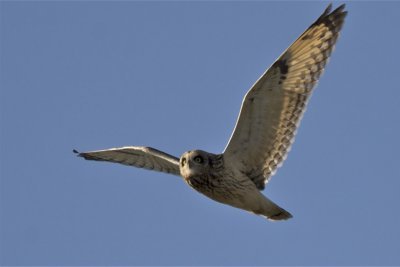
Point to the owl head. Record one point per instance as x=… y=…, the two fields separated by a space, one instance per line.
x=194 y=162
x=198 y=162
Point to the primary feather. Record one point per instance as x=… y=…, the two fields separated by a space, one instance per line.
x=137 y=156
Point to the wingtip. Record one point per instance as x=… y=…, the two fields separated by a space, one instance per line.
x=334 y=18
x=341 y=7
x=328 y=9
x=78 y=154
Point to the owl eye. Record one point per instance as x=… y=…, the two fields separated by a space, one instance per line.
x=198 y=159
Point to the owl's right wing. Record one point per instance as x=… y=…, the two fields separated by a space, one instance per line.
x=137 y=156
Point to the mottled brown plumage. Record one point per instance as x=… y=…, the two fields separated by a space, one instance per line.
x=269 y=117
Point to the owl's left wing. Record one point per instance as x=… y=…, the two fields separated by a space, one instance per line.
x=137 y=156
x=272 y=109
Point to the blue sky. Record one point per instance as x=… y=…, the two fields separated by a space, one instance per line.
x=172 y=75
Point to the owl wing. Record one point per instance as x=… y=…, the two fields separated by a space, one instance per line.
x=141 y=157
x=273 y=107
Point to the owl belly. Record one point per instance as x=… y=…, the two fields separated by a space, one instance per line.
x=225 y=189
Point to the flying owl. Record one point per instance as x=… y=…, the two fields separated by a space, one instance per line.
x=269 y=117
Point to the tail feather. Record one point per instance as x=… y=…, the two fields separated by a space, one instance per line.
x=281 y=215
x=273 y=212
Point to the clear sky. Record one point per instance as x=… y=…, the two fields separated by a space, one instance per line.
x=172 y=75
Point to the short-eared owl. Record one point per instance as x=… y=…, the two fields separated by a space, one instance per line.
x=270 y=114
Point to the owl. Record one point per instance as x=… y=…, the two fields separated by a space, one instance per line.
x=265 y=129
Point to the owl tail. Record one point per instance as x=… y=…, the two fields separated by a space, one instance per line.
x=273 y=212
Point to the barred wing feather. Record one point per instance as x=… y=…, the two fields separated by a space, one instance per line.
x=141 y=157
x=272 y=109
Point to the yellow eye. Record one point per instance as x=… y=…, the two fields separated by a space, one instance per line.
x=198 y=159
